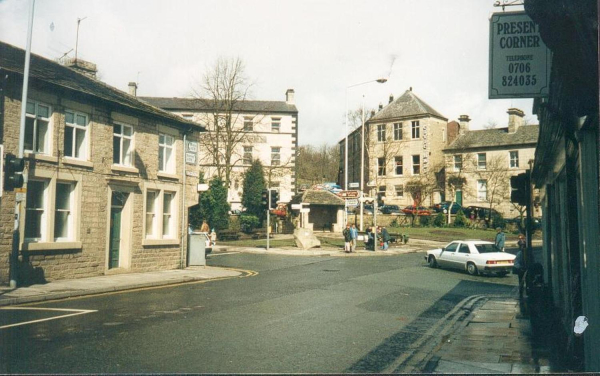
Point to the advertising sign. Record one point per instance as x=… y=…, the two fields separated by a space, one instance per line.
x=191 y=152
x=519 y=59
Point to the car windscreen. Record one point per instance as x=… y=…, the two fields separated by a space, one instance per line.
x=487 y=248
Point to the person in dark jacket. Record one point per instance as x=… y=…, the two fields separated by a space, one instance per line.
x=347 y=239
x=519 y=267
x=385 y=237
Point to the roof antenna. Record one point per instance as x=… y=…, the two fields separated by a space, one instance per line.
x=77 y=36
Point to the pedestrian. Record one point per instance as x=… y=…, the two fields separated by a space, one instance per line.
x=354 y=237
x=347 y=239
x=204 y=227
x=370 y=244
x=519 y=267
x=213 y=237
x=385 y=237
x=500 y=238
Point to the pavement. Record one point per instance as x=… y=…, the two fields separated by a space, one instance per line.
x=482 y=334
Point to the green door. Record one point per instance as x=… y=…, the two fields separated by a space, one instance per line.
x=459 y=197
x=116 y=209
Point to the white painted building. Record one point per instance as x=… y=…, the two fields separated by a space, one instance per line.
x=268 y=132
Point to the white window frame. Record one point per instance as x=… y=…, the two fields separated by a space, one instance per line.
x=166 y=161
x=481 y=162
x=398 y=131
x=417 y=165
x=276 y=125
x=51 y=184
x=74 y=128
x=125 y=157
x=482 y=190
x=275 y=156
x=247 y=156
x=381 y=128
x=42 y=210
x=457 y=162
x=513 y=159
x=415 y=130
x=399 y=190
x=43 y=147
x=248 y=124
x=381 y=170
x=154 y=231
x=400 y=159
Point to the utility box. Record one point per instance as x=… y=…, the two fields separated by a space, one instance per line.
x=197 y=249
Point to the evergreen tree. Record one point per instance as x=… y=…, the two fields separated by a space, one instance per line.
x=212 y=207
x=254 y=184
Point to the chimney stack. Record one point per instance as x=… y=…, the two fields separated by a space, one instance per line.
x=380 y=106
x=133 y=89
x=391 y=98
x=289 y=96
x=82 y=66
x=515 y=119
x=463 y=121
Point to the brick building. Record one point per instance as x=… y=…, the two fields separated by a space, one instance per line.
x=107 y=187
x=263 y=130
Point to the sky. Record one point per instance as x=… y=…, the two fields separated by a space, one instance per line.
x=319 y=48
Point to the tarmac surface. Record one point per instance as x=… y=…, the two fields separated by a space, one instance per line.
x=482 y=334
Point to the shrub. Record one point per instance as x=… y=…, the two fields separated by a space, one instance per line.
x=424 y=220
x=248 y=222
x=394 y=223
x=439 y=220
x=460 y=220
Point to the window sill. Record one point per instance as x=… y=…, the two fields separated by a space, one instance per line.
x=50 y=246
x=77 y=162
x=119 y=168
x=41 y=157
x=166 y=175
x=154 y=242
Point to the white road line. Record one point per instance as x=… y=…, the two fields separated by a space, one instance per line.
x=75 y=313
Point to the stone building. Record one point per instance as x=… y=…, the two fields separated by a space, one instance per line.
x=107 y=188
x=403 y=146
x=263 y=130
x=566 y=171
x=486 y=159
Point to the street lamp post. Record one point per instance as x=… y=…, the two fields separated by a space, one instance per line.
x=362 y=153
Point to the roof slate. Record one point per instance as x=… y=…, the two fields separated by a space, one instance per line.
x=205 y=105
x=408 y=105
x=318 y=197
x=498 y=137
x=47 y=71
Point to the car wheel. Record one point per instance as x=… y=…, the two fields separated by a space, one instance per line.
x=445 y=211
x=472 y=269
x=432 y=262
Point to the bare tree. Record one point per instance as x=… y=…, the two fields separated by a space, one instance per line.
x=316 y=164
x=495 y=175
x=223 y=89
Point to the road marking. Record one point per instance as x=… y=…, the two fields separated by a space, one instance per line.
x=75 y=312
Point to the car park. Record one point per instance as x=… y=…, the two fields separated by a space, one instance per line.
x=443 y=207
x=416 y=210
x=390 y=209
x=473 y=256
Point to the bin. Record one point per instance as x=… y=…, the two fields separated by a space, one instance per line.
x=196 y=250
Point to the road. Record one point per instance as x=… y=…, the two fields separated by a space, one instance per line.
x=294 y=314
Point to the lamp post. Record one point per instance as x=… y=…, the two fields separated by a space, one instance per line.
x=362 y=153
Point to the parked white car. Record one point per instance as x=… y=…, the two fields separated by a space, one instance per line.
x=473 y=256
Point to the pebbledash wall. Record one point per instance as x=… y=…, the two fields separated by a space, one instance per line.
x=93 y=195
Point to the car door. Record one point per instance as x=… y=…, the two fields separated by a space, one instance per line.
x=463 y=255
x=448 y=255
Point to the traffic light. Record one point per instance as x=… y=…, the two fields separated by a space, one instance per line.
x=264 y=199
x=13 y=168
x=520 y=186
x=274 y=199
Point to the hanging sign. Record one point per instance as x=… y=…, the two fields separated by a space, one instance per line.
x=519 y=60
